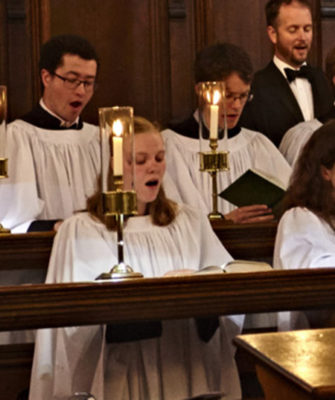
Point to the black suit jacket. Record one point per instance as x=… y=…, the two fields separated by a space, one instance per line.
x=274 y=109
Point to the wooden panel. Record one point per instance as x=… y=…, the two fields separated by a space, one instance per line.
x=19 y=59
x=243 y=23
x=51 y=305
x=3 y=44
x=15 y=367
x=131 y=39
x=25 y=251
x=247 y=241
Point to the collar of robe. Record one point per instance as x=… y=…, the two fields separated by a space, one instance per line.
x=42 y=119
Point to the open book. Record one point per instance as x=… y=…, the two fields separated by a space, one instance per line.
x=207 y=396
x=236 y=266
x=254 y=187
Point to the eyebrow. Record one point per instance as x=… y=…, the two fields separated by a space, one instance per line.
x=79 y=75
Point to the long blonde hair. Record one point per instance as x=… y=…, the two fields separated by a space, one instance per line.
x=162 y=210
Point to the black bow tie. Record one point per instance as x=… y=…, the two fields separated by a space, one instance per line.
x=303 y=72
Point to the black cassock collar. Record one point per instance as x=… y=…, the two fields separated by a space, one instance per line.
x=42 y=119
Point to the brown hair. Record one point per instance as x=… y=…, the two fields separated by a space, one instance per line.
x=217 y=62
x=272 y=9
x=162 y=210
x=307 y=187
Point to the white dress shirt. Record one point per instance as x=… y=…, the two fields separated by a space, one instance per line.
x=301 y=88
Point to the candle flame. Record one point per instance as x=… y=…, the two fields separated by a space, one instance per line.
x=216 y=97
x=117 y=128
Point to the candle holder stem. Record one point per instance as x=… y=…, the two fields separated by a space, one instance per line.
x=119 y=203
x=3 y=174
x=215 y=214
x=120 y=225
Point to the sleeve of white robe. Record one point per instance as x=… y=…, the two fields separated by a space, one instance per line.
x=19 y=201
x=303 y=241
x=295 y=139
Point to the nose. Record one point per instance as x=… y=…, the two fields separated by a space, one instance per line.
x=302 y=34
x=80 y=89
x=153 y=166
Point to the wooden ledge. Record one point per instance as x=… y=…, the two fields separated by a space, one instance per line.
x=36 y=306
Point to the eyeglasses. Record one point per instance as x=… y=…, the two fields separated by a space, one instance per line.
x=89 y=86
x=244 y=97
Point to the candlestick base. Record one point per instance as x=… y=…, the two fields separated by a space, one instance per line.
x=3 y=230
x=3 y=167
x=119 y=272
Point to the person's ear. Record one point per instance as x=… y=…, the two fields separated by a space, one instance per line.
x=45 y=77
x=325 y=173
x=333 y=80
x=272 y=33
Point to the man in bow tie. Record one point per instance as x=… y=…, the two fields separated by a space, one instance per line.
x=288 y=90
x=53 y=155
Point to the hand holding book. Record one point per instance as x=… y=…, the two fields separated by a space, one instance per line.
x=254 y=188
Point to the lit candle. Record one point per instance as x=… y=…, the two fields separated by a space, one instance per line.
x=3 y=114
x=214 y=120
x=214 y=116
x=117 y=148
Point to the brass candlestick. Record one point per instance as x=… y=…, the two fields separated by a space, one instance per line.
x=119 y=204
x=214 y=162
x=116 y=126
x=3 y=159
x=211 y=107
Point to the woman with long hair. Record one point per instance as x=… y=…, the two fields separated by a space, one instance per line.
x=306 y=231
x=163 y=237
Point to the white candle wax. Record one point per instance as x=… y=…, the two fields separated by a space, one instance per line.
x=117 y=155
x=214 y=121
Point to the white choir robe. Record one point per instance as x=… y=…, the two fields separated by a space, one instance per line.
x=303 y=240
x=51 y=173
x=295 y=139
x=172 y=367
x=248 y=149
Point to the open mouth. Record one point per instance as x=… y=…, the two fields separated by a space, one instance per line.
x=75 y=104
x=152 y=183
x=301 y=47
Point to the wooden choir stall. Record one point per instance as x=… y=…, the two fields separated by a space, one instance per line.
x=33 y=306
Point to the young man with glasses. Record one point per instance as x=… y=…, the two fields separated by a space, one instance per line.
x=247 y=149
x=53 y=155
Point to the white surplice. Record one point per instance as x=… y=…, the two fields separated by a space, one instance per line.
x=172 y=367
x=51 y=173
x=303 y=241
x=248 y=149
x=295 y=139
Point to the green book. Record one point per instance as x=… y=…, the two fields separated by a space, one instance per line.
x=254 y=187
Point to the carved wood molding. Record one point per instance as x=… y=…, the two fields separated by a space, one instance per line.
x=3 y=45
x=159 y=36
x=177 y=9
x=328 y=8
x=204 y=33
x=39 y=24
x=15 y=9
x=72 y=304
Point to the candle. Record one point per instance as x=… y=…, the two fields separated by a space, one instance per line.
x=3 y=114
x=214 y=120
x=117 y=148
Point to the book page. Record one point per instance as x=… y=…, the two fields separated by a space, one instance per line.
x=236 y=266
